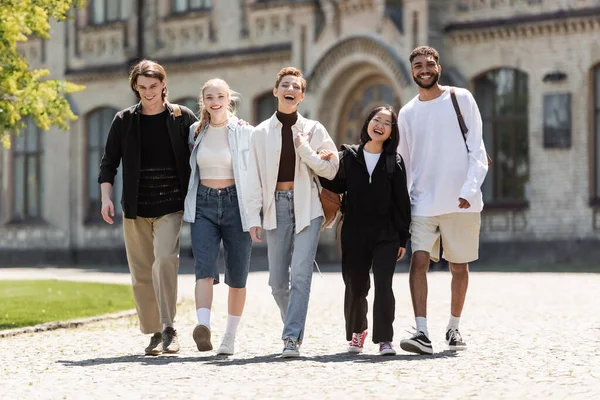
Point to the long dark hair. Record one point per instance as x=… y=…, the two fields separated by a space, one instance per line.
x=390 y=146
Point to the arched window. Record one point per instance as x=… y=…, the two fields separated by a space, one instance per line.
x=362 y=100
x=264 y=107
x=503 y=99
x=596 y=111
x=27 y=180
x=97 y=127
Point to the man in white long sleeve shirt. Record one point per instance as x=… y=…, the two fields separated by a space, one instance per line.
x=444 y=176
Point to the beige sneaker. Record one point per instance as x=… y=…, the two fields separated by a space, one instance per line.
x=201 y=336
x=155 y=346
x=170 y=341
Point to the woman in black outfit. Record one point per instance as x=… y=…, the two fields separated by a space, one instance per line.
x=376 y=210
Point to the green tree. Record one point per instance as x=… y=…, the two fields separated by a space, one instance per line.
x=26 y=92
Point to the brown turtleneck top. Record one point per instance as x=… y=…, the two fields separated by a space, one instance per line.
x=287 y=161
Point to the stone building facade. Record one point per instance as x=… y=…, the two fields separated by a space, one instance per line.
x=533 y=66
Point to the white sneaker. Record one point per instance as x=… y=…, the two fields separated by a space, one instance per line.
x=227 y=345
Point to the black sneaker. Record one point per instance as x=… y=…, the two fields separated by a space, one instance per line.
x=454 y=340
x=419 y=343
x=155 y=347
x=170 y=341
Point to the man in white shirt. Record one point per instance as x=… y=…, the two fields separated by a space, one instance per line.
x=445 y=171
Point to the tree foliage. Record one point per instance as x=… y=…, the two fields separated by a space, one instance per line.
x=26 y=92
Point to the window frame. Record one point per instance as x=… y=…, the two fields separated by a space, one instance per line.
x=206 y=6
x=513 y=119
x=92 y=211
x=106 y=20
x=595 y=135
x=38 y=156
x=256 y=105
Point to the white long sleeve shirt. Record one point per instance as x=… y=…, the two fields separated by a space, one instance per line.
x=263 y=168
x=439 y=167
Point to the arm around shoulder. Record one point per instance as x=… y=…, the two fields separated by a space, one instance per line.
x=308 y=152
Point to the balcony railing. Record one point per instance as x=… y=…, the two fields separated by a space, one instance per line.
x=104 y=44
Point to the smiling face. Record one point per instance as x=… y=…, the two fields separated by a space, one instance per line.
x=289 y=93
x=216 y=100
x=380 y=126
x=425 y=71
x=150 y=91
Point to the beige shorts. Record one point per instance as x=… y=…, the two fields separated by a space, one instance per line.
x=459 y=233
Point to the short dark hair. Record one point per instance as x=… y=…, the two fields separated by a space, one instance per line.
x=391 y=144
x=149 y=69
x=424 y=51
x=290 y=71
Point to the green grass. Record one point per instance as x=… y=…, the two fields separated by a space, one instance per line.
x=27 y=303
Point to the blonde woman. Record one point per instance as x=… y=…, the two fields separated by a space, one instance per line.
x=287 y=152
x=219 y=145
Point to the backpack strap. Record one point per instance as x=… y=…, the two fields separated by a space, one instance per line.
x=176 y=110
x=461 y=122
x=459 y=116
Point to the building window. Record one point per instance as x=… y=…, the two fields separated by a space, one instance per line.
x=189 y=5
x=597 y=130
x=106 y=11
x=97 y=127
x=363 y=99
x=27 y=178
x=190 y=103
x=503 y=99
x=264 y=107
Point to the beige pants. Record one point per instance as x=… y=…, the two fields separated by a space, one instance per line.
x=152 y=246
x=459 y=233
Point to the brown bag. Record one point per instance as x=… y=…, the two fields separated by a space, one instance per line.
x=461 y=122
x=330 y=201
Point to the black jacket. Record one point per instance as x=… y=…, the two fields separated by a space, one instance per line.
x=123 y=143
x=368 y=200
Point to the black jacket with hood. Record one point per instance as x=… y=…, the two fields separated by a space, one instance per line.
x=367 y=199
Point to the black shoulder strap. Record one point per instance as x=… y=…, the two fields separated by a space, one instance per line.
x=461 y=120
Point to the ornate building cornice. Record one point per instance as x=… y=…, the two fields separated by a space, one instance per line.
x=526 y=26
x=187 y=62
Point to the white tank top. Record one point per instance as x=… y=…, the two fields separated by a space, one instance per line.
x=213 y=156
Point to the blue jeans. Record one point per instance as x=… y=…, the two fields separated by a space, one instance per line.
x=218 y=218
x=287 y=252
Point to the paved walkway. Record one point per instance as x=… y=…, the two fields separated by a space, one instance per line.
x=529 y=336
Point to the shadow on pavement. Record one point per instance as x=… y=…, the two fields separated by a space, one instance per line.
x=269 y=358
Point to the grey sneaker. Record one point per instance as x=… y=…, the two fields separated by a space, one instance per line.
x=386 y=349
x=155 y=346
x=202 y=338
x=170 y=341
x=290 y=348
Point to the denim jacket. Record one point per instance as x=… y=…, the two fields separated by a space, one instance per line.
x=239 y=136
